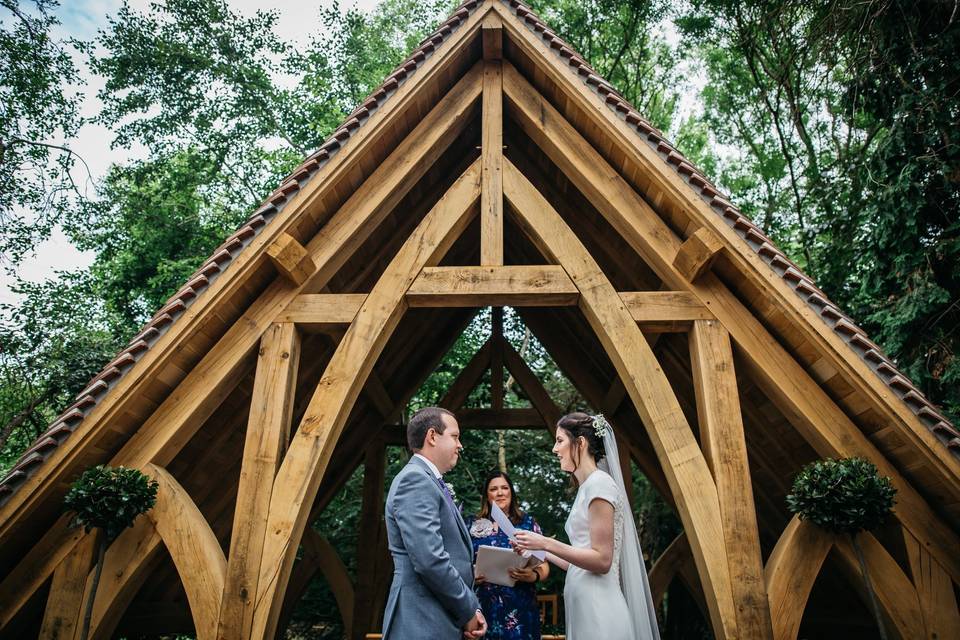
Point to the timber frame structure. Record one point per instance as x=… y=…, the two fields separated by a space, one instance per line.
x=492 y=168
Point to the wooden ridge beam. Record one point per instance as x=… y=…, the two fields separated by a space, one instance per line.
x=300 y=473
x=812 y=412
x=268 y=431
x=725 y=449
x=518 y=286
x=684 y=465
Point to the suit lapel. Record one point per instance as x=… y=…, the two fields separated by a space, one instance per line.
x=464 y=533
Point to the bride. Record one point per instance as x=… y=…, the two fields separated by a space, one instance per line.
x=606 y=587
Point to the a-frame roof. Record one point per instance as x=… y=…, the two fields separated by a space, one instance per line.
x=753 y=240
x=834 y=351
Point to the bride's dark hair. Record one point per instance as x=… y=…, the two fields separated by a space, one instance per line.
x=579 y=424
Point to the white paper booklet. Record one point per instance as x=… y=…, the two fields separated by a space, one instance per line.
x=507 y=527
x=494 y=564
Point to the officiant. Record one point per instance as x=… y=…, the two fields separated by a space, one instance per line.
x=512 y=613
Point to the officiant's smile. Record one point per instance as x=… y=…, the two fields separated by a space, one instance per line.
x=498 y=492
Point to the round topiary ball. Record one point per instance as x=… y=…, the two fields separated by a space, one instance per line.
x=842 y=496
x=110 y=498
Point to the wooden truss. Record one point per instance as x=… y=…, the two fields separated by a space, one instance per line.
x=311 y=345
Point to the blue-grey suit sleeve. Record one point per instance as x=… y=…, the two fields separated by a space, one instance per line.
x=417 y=511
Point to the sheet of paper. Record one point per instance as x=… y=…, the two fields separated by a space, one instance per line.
x=494 y=564
x=507 y=527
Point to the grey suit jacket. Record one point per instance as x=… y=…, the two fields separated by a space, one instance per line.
x=431 y=596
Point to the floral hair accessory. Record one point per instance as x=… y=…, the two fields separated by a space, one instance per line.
x=600 y=425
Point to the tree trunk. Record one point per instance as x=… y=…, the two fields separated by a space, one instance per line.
x=869 y=584
x=101 y=551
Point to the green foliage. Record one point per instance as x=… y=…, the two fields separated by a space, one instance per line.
x=38 y=116
x=110 y=498
x=842 y=496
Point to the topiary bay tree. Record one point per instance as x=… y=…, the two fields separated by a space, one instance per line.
x=844 y=497
x=107 y=499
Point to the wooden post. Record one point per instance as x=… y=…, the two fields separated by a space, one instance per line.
x=496 y=358
x=65 y=604
x=491 y=153
x=300 y=473
x=371 y=516
x=725 y=448
x=268 y=431
x=687 y=471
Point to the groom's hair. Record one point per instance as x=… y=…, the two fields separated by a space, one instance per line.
x=421 y=422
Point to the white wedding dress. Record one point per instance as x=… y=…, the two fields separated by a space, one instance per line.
x=616 y=605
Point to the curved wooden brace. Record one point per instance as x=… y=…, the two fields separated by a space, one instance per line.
x=690 y=480
x=896 y=595
x=193 y=547
x=790 y=573
x=326 y=559
x=667 y=566
x=300 y=473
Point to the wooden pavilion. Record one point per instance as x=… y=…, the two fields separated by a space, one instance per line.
x=492 y=168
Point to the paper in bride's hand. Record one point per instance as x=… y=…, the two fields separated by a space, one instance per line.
x=494 y=564
x=507 y=527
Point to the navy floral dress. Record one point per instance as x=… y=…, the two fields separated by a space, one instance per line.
x=512 y=613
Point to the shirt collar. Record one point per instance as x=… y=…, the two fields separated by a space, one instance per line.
x=433 y=467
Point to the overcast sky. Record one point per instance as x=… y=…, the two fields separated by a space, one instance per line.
x=298 y=21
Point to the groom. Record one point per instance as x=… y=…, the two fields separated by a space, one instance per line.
x=432 y=592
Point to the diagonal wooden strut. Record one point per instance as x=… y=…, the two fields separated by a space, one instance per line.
x=302 y=469
x=687 y=471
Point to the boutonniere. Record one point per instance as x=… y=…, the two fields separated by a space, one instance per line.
x=453 y=494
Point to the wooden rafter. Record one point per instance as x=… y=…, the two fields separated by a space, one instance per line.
x=686 y=470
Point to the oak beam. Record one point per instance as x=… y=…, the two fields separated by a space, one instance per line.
x=938 y=602
x=291 y=259
x=517 y=286
x=268 y=431
x=895 y=594
x=371 y=519
x=497 y=344
x=467 y=379
x=194 y=549
x=492 y=33
x=300 y=473
x=499 y=419
x=725 y=449
x=665 y=311
x=491 y=157
x=532 y=387
x=686 y=470
x=63 y=616
x=791 y=570
x=322 y=311
x=811 y=411
x=697 y=254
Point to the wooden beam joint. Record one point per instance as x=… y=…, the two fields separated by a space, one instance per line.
x=291 y=259
x=697 y=253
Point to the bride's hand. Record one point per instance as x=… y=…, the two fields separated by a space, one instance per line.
x=529 y=541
